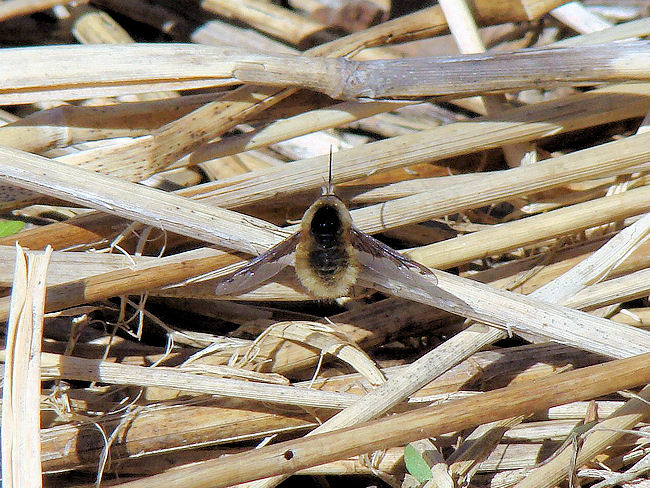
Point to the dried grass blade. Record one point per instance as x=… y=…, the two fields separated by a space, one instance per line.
x=326 y=340
x=58 y=366
x=21 y=393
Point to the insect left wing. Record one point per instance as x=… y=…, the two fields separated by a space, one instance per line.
x=260 y=269
x=381 y=261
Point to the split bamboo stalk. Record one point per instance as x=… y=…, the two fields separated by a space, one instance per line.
x=21 y=446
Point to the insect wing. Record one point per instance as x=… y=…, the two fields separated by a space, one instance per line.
x=379 y=261
x=260 y=269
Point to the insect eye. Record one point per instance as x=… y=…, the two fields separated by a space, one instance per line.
x=325 y=221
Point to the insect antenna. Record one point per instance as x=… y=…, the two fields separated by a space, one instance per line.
x=330 y=188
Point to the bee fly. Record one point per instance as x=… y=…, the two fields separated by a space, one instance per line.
x=328 y=254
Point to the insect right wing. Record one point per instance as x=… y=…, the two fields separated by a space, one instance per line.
x=260 y=269
x=384 y=265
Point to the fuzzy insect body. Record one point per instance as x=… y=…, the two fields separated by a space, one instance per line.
x=326 y=262
x=329 y=255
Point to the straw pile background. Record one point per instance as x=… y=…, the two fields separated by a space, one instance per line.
x=151 y=143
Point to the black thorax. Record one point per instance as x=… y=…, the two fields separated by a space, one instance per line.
x=328 y=254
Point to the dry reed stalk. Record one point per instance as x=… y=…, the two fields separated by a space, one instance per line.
x=465 y=32
x=541 y=176
x=67 y=266
x=67 y=124
x=563 y=289
x=218 y=33
x=127 y=69
x=464 y=291
x=62 y=367
x=389 y=462
x=223 y=115
x=267 y=17
x=179 y=134
x=290 y=456
x=72 y=229
x=159 y=427
x=344 y=112
x=553 y=224
x=21 y=446
x=599 y=265
x=475 y=337
x=478 y=445
x=95 y=27
x=16 y=8
x=627 y=30
x=515 y=234
x=284 y=129
x=228 y=117
x=113 y=195
x=65 y=177
x=576 y=16
x=442 y=142
x=159 y=147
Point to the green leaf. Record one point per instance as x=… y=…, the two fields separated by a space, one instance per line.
x=9 y=227
x=415 y=465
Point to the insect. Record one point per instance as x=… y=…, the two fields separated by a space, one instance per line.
x=329 y=254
